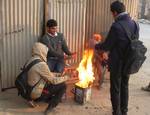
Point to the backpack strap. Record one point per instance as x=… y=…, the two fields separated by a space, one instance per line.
x=32 y=64
x=126 y=28
x=130 y=35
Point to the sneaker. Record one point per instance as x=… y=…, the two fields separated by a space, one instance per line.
x=48 y=109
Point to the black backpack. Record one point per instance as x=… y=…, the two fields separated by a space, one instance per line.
x=21 y=81
x=135 y=52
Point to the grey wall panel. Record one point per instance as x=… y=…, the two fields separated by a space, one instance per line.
x=20 y=28
x=0 y=44
x=98 y=17
x=132 y=7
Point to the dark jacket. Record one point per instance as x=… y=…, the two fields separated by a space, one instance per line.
x=116 y=42
x=57 y=45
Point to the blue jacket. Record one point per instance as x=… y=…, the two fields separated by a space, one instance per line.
x=116 y=42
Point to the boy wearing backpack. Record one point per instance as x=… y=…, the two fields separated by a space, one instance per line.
x=46 y=84
x=116 y=44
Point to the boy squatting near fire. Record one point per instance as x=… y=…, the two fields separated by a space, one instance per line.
x=50 y=86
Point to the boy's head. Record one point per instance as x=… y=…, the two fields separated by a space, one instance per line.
x=117 y=7
x=97 y=37
x=51 y=26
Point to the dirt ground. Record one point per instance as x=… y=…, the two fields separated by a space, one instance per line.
x=139 y=101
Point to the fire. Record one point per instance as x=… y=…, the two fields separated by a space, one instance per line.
x=86 y=75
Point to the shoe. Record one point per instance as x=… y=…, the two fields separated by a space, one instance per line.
x=147 y=88
x=124 y=113
x=116 y=113
x=48 y=109
x=52 y=104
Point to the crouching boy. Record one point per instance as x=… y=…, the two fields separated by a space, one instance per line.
x=49 y=86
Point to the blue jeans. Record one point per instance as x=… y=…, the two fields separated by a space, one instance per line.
x=56 y=65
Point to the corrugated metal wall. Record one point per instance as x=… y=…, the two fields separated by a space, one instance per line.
x=70 y=15
x=21 y=24
x=20 y=27
x=132 y=7
x=99 y=18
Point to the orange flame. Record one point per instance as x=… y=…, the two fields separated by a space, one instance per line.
x=86 y=75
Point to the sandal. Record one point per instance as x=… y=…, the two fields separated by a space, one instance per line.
x=32 y=104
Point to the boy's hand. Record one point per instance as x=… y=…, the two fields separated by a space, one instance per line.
x=66 y=72
x=105 y=56
x=73 y=55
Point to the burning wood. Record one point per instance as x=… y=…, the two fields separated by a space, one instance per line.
x=85 y=69
x=86 y=78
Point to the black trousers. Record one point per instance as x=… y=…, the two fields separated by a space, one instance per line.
x=119 y=92
x=53 y=93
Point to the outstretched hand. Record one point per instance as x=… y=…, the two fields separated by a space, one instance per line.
x=66 y=71
x=72 y=56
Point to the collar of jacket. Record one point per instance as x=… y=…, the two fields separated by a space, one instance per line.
x=121 y=16
x=56 y=34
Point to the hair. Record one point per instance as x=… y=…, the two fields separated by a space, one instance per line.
x=118 y=7
x=51 y=23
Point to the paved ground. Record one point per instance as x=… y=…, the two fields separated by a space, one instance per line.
x=139 y=104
